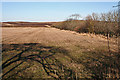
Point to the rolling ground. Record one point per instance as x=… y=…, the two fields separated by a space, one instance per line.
x=46 y=52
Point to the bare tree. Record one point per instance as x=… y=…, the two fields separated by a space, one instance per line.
x=115 y=15
x=95 y=16
x=90 y=23
x=75 y=16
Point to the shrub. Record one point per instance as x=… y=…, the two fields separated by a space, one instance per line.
x=81 y=28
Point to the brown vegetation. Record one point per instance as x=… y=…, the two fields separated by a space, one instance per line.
x=42 y=52
x=26 y=24
x=34 y=50
x=104 y=23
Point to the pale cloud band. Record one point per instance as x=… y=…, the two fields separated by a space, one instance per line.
x=60 y=0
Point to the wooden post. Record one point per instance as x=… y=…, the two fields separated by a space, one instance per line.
x=108 y=42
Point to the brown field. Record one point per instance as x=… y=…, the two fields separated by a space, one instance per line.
x=46 y=52
x=26 y=24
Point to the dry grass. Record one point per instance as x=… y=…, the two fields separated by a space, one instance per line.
x=52 y=35
x=68 y=53
x=26 y=24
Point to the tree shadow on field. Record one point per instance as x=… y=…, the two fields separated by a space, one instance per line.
x=98 y=64
x=102 y=64
x=32 y=60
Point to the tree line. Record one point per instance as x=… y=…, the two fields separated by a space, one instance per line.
x=103 y=23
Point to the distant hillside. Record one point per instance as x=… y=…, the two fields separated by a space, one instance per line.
x=26 y=24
